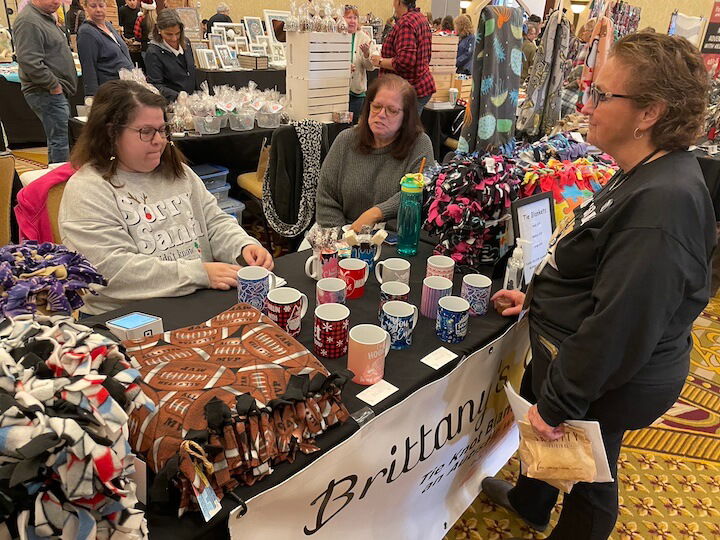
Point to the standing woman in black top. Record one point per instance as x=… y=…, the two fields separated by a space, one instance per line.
x=613 y=303
x=169 y=60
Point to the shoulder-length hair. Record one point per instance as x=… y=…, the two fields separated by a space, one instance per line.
x=168 y=18
x=411 y=126
x=114 y=107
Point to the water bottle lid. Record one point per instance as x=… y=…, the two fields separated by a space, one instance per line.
x=412 y=183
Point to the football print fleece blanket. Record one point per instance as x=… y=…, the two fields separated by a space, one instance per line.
x=234 y=396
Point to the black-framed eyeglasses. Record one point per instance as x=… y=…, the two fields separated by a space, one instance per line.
x=597 y=96
x=147 y=133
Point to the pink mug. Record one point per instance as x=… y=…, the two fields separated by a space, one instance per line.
x=354 y=272
x=369 y=345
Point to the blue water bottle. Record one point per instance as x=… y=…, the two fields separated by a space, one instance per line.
x=410 y=214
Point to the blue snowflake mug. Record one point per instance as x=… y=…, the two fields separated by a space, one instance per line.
x=452 y=319
x=254 y=284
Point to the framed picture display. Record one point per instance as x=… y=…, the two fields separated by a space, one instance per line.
x=258 y=49
x=241 y=45
x=277 y=52
x=254 y=29
x=275 y=24
x=224 y=56
x=264 y=40
x=368 y=30
x=208 y=58
x=232 y=30
x=533 y=221
x=216 y=40
x=191 y=20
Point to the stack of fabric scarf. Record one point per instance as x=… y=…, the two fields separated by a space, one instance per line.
x=65 y=460
x=235 y=396
x=561 y=146
x=43 y=276
x=468 y=206
x=571 y=182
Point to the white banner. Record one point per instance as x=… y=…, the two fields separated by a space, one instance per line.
x=410 y=472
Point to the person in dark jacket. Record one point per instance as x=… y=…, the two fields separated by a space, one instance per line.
x=611 y=306
x=222 y=16
x=101 y=49
x=169 y=61
x=74 y=17
x=127 y=16
x=466 y=44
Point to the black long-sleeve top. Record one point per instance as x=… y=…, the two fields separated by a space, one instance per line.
x=619 y=297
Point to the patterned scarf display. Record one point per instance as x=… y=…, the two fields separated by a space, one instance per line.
x=497 y=65
x=235 y=396
x=65 y=460
x=309 y=133
x=541 y=110
x=598 y=49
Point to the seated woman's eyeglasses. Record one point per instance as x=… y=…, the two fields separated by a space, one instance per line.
x=147 y=133
x=597 y=96
x=375 y=108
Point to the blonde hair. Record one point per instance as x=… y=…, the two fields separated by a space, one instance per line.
x=463 y=25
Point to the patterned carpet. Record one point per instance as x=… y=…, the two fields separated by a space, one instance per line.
x=669 y=472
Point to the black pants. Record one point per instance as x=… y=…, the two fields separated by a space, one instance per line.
x=590 y=509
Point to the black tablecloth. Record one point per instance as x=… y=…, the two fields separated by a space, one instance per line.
x=437 y=125
x=402 y=369
x=266 y=79
x=22 y=127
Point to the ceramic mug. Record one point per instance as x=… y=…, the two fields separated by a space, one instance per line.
x=322 y=264
x=476 y=290
x=330 y=331
x=254 y=284
x=440 y=265
x=452 y=319
x=330 y=291
x=399 y=319
x=434 y=288
x=393 y=270
x=354 y=272
x=393 y=290
x=370 y=253
x=286 y=307
x=369 y=345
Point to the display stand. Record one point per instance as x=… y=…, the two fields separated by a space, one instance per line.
x=442 y=65
x=318 y=74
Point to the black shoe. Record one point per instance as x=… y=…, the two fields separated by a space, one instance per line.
x=497 y=491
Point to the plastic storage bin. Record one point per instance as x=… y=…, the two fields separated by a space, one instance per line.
x=243 y=121
x=213 y=176
x=233 y=207
x=221 y=193
x=223 y=121
x=207 y=125
x=268 y=120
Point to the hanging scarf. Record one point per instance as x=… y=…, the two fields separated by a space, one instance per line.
x=309 y=133
x=541 y=109
x=598 y=50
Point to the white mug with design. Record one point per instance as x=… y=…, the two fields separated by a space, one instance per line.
x=394 y=269
x=440 y=265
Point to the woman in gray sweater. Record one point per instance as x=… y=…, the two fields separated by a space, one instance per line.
x=360 y=177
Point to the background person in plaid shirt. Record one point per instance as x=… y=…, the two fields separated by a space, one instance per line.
x=406 y=51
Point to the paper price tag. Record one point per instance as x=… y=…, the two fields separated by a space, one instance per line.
x=575 y=135
x=207 y=500
x=438 y=358
x=275 y=107
x=374 y=394
x=257 y=104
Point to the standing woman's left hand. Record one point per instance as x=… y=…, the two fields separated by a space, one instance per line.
x=256 y=255
x=542 y=428
x=365 y=48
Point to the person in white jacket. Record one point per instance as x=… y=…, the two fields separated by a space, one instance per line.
x=139 y=214
x=360 y=59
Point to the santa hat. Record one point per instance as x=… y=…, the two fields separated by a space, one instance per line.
x=152 y=6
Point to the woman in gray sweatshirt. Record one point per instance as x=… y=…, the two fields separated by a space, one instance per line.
x=139 y=214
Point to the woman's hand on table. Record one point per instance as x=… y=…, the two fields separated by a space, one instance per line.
x=222 y=276
x=368 y=217
x=542 y=428
x=514 y=299
x=255 y=255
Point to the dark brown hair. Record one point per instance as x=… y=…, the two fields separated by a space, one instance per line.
x=168 y=18
x=670 y=71
x=411 y=126
x=114 y=106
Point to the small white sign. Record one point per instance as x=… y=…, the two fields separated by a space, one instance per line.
x=438 y=358
x=374 y=394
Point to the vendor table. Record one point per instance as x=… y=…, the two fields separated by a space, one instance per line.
x=266 y=79
x=402 y=368
x=437 y=123
x=21 y=125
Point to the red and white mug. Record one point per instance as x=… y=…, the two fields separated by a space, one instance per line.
x=286 y=307
x=330 y=333
x=354 y=272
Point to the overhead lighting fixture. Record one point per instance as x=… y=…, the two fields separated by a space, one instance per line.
x=577 y=8
x=464 y=4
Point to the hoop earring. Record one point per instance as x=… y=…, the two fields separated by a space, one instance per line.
x=112 y=158
x=635 y=134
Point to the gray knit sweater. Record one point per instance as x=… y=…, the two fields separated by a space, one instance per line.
x=351 y=182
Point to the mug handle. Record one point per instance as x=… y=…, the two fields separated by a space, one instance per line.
x=377 y=271
x=308 y=266
x=388 y=341
x=415 y=317
x=367 y=273
x=304 y=308
x=378 y=252
x=272 y=279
